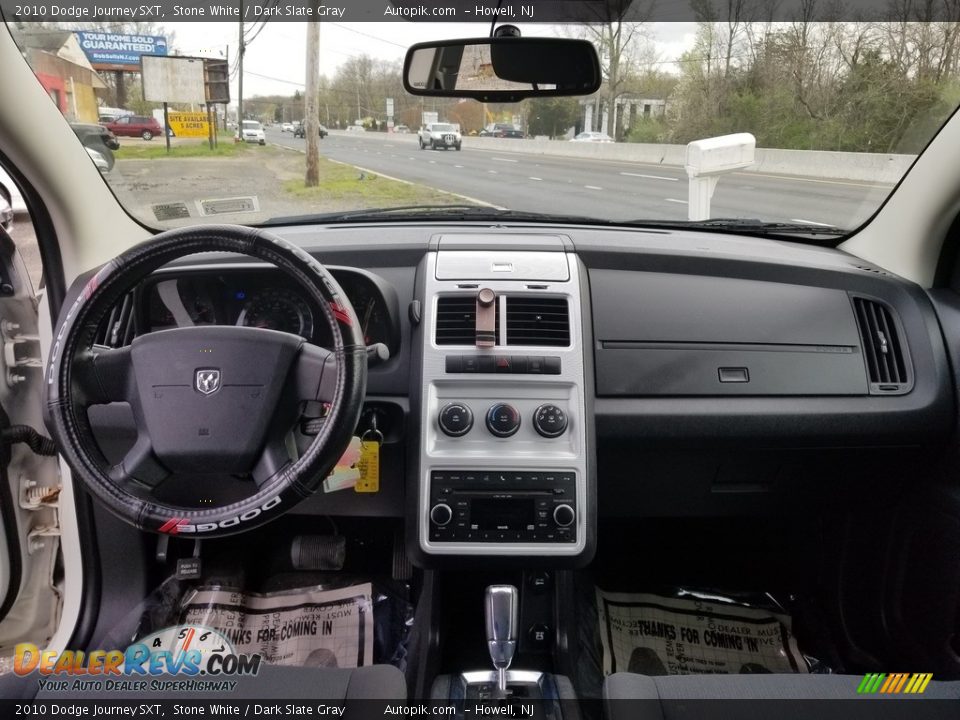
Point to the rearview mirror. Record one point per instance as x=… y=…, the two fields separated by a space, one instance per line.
x=505 y=69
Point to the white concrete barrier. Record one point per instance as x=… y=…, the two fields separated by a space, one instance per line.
x=882 y=168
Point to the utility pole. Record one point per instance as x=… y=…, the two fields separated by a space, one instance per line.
x=243 y=47
x=358 y=100
x=311 y=118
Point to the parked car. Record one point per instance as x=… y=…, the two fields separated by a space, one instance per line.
x=286 y=127
x=98 y=159
x=595 y=137
x=501 y=130
x=401 y=129
x=439 y=135
x=252 y=131
x=299 y=131
x=6 y=210
x=135 y=126
x=356 y=128
x=13 y=194
x=99 y=138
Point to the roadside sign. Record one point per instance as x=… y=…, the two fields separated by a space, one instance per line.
x=189 y=124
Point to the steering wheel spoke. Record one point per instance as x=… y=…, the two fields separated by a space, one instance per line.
x=315 y=373
x=140 y=466
x=275 y=457
x=105 y=376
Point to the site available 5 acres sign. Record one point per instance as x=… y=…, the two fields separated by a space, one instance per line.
x=112 y=51
x=189 y=124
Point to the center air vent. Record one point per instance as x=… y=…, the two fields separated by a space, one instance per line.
x=117 y=329
x=887 y=362
x=538 y=321
x=457 y=320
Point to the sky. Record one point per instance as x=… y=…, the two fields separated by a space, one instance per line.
x=275 y=60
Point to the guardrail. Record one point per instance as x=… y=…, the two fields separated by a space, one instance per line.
x=881 y=168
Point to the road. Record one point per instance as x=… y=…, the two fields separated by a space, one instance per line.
x=597 y=188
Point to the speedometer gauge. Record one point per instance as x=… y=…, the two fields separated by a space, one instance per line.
x=278 y=309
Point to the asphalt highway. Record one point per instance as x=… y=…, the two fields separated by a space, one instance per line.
x=594 y=188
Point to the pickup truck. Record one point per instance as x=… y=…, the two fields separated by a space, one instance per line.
x=439 y=135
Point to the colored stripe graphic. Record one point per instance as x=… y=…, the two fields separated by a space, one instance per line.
x=894 y=683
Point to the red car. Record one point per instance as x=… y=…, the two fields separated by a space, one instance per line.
x=135 y=126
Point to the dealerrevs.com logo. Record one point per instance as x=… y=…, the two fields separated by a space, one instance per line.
x=190 y=658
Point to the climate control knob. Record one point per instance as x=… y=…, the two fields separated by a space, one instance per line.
x=441 y=514
x=563 y=515
x=503 y=420
x=455 y=419
x=550 y=421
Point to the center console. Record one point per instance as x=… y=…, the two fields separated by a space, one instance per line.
x=502 y=467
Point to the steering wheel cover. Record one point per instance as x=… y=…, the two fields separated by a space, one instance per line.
x=67 y=422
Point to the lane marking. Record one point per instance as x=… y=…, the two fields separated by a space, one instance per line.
x=492 y=172
x=651 y=177
x=534 y=178
x=458 y=166
x=810 y=222
x=505 y=160
x=593 y=187
x=675 y=200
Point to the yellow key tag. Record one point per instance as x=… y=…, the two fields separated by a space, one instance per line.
x=369 y=466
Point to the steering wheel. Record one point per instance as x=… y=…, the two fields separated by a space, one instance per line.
x=205 y=399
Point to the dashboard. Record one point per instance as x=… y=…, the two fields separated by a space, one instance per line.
x=699 y=375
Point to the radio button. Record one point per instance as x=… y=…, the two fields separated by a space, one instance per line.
x=563 y=515
x=503 y=420
x=441 y=514
x=456 y=419
x=550 y=421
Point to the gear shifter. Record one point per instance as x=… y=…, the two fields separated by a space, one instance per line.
x=501 y=610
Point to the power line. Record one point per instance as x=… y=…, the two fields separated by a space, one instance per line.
x=368 y=35
x=275 y=79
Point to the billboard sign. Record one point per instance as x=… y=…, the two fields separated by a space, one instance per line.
x=112 y=51
x=173 y=79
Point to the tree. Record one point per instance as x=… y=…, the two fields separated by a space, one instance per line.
x=618 y=44
x=552 y=116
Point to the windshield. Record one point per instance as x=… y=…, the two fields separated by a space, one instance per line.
x=836 y=113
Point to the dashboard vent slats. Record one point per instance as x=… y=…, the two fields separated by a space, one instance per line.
x=538 y=321
x=117 y=329
x=887 y=363
x=457 y=319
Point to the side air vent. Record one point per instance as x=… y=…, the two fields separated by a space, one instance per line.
x=117 y=329
x=457 y=320
x=538 y=321
x=888 y=365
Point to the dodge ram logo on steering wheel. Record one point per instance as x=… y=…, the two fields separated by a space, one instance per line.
x=207 y=381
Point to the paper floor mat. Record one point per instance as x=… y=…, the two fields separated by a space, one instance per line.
x=659 y=635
